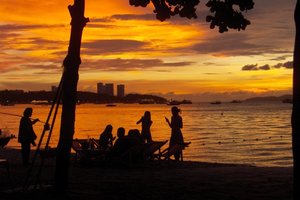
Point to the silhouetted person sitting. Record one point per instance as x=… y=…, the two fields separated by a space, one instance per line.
x=85 y=145
x=175 y=125
x=146 y=124
x=26 y=135
x=106 y=138
x=135 y=141
x=120 y=145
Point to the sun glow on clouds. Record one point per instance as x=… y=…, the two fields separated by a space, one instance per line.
x=128 y=42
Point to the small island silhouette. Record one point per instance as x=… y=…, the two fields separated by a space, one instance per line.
x=11 y=97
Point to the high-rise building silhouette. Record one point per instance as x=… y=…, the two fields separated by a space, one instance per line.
x=121 y=90
x=109 y=88
x=101 y=88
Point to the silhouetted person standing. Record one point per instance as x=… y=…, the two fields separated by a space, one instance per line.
x=106 y=137
x=27 y=135
x=176 y=126
x=146 y=124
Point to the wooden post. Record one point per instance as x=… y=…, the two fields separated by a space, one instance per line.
x=296 y=106
x=69 y=95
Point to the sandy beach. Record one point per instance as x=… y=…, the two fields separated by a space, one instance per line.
x=154 y=180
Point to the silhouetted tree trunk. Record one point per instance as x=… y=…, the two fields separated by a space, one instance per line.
x=296 y=105
x=69 y=92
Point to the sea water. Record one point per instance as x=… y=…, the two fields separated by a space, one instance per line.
x=257 y=133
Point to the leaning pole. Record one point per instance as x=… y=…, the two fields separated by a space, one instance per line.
x=296 y=105
x=69 y=95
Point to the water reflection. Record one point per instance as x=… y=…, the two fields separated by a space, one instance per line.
x=257 y=134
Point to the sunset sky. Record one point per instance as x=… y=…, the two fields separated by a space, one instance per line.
x=179 y=58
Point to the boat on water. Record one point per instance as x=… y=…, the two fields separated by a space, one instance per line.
x=185 y=101
x=236 y=101
x=5 y=137
x=173 y=103
x=111 y=105
x=40 y=102
x=215 y=102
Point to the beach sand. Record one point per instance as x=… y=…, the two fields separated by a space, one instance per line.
x=154 y=180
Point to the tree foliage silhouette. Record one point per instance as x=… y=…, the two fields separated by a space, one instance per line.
x=227 y=14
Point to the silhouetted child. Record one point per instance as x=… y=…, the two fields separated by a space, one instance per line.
x=120 y=145
x=135 y=141
x=175 y=125
x=146 y=124
x=106 y=138
x=27 y=135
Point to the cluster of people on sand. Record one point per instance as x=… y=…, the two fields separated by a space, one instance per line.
x=123 y=142
x=135 y=137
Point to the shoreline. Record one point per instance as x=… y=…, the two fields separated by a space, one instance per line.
x=157 y=180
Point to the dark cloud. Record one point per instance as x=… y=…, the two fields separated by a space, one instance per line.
x=112 y=46
x=209 y=63
x=4 y=68
x=264 y=67
x=48 y=67
x=230 y=45
x=21 y=27
x=250 y=67
x=26 y=85
x=17 y=27
x=5 y=35
x=15 y=63
x=235 y=44
x=96 y=25
x=101 y=20
x=287 y=65
x=129 y=64
x=19 y=43
x=277 y=66
x=104 y=22
x=149 y=16
x=280 y=58
x=37 y=44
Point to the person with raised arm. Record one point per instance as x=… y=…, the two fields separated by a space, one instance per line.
x=26 y=135
x=176 y=126
x=146 y=124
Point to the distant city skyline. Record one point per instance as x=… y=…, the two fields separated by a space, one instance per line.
x=108 y=89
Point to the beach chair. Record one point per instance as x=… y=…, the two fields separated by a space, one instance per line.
x=95 y=143
x=170 y=151
x=76 y=146
x=84 y=152
x=143 y=152
x=151 y=148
